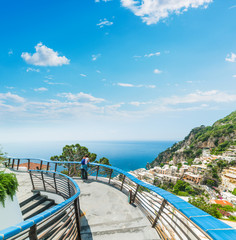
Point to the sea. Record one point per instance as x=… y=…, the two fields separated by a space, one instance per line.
x=127 y=155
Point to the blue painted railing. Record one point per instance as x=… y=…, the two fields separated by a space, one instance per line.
x=27 y=224
x=210 y=226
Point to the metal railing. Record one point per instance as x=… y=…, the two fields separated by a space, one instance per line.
x=172 y=217
x=59 y=222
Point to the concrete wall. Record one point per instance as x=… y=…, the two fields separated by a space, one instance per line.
x=10 y=214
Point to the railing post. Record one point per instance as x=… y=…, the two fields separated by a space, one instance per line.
x=28 y=164
x=130 y=196
x=55 y=167
x=122 y=183
x=33 y=233
x=55 y=183
x=79 y=209
x=159 y=212
x=9 y=162
x=47 y=166
x=77 y=217
x=13 y=162
x=44 y=186
x=69 y=187
x=41 y=163
x=110 y=176
x=18 y=163
x=135 y=194
x=97 y=172
x=32 y=180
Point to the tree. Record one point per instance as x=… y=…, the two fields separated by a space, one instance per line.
x=104 y=161
x=210 y=183
x=221 y=164
x=2 y=155
x=179 y=165
x=209 y=208
x=73 y=153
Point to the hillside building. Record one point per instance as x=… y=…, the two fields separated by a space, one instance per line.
x=228 y=177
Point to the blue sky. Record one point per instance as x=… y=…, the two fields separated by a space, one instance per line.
x=115 y=70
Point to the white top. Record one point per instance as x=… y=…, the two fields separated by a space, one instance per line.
x=86 y=160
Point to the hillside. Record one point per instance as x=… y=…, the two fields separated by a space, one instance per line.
x=218 y=137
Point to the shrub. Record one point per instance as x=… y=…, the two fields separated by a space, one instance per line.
x=181 y=193
x=232 y=218
x=8 y=186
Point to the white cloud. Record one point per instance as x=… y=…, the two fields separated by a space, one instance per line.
x=152 y=11
x=152 y=54
x=50 y=77
x=9 y=87
x=150 y=86
x=95 y=56
x=82 y=97
x=125 y=84
x=199 y=96
x=53 y=83
x=10 y=52
x=97 y=1
x=132 y=85
x=234 y=6
x=83 y=75
x=32 y=70
x=234 y=76
x=157 y=71
x=136 y=57
x=13 y=97
x=41 y=89
x=98 y=71
x=231 y=58
x=137 y=104
x=44 y=56
x=189 y=81
x=104 y=22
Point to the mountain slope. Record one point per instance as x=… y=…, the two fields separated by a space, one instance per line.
x=218 y=137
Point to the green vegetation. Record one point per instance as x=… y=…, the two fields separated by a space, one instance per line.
x=75 y=153
x=104 y=161
x=221 y=148
x=234 y=192
x=216 y=210
x=8 y=186
x=2 y=155
x=181 y=188
x=211 y=177
x=218 y=137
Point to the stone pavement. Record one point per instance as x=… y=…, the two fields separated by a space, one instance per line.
x=107 y=213
x=109 y=216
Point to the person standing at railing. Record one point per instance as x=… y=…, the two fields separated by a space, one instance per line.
x=84 y=167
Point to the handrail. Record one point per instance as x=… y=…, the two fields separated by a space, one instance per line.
x=159 y=209
x=38 y=219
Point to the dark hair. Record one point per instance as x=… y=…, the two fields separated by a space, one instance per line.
x=86 y=155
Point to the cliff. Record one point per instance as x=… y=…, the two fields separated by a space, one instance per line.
x=218 y=138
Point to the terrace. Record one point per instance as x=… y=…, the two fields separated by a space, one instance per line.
x=112 y=204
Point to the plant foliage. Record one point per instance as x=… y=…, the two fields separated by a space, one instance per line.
x=8 y=186
x=75 y=153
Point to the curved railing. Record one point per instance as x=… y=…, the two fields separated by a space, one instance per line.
x=58 y=222
x=172 y=217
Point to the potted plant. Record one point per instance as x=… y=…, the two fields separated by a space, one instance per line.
x=9 y=207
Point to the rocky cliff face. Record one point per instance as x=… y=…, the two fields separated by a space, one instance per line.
x=218 y=137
